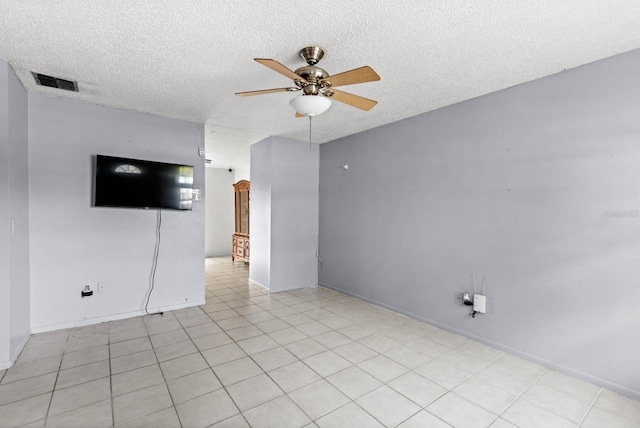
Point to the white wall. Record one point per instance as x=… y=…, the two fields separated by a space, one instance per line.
x=14 y=217
x=73 y=243
x=284 y=213
x=219 y=223
x=242 y=173
x=522 y=185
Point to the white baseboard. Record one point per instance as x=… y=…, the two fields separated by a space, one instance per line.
x=16 y=353
x=603 y=383
x=20 y=347
x=257 y=284
x=98 y=320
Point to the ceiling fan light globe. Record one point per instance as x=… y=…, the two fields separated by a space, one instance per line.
x=310 y=105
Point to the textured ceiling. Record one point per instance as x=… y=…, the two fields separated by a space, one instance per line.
x=185 y=59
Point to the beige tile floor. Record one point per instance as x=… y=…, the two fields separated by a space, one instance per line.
x=310 y=357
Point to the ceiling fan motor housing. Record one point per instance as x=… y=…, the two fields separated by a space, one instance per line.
x=313 y=75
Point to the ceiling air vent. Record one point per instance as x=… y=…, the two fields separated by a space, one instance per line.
x=55 y=82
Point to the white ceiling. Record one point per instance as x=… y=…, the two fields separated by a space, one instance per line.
x=185 y=59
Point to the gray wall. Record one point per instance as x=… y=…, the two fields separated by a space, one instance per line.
x=14 y=216
x=5 y=230
x=19 y=213
x=260 y=213
x=74 y=243
x=294 y=214
x=284 y=213
x=537 y=187
x=219 y=212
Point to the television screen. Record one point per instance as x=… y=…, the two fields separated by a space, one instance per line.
x=133 y=183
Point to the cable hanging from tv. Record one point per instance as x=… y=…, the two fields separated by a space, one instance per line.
x=154 y=265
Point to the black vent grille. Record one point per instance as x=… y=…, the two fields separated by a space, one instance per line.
x=55 y=82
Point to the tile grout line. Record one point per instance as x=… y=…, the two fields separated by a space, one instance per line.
x=148 y=337
x=214 y=373
x=551 y=411
x=593 y=402
x=400 y=393
x=53 y=390
x=518 y=396
x=449 y=390
x=375 y=389
x=166 y=385
x=113 y=412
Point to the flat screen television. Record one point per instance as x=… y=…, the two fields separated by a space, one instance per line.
x=134 y=183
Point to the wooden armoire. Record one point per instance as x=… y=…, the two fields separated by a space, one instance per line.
x=240 y=240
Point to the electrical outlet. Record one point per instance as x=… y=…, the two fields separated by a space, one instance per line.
x=200 y=151
x=86 y=291
x=466 y=299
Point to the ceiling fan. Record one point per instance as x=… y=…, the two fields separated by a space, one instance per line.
x=317 y=85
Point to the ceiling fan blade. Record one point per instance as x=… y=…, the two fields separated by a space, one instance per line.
x=299 y=115
x=357 y=75
x=276 y=66
x=353 y=100
x=265 y=91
